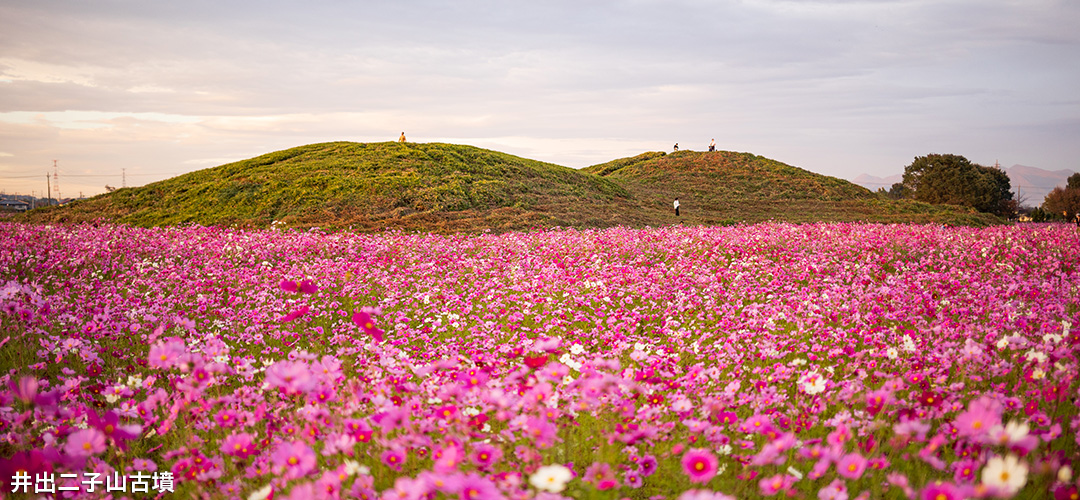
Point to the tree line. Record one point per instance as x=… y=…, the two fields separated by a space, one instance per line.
x=955 y=180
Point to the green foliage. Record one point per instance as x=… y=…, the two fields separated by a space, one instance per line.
x=1039 y=215
x=1074 y=181
x=954 y=180
x=899 y=191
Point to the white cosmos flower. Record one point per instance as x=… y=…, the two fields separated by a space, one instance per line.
x=262 y=493
x=812 y=383
x=1013 y=432
x=1009 y=473
x=551 y=478
x=909 y=345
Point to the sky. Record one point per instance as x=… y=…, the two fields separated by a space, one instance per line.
x=131 y=92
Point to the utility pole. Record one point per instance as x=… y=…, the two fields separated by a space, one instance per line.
x=48 y=201
x=123 y=179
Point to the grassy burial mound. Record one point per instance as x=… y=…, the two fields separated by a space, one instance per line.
x=725 y=186
x=453 y=188
x=372 y=186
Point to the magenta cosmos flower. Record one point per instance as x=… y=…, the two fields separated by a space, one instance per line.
x=700 y=465
x=364 y=320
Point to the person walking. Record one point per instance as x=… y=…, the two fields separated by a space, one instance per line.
x=676 y=207
x=676 y=146
x=712 y=145
x=402 y=138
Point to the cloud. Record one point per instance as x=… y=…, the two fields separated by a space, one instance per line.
x=840 y=87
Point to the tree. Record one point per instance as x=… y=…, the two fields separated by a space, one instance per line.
x=1074 y=181
x=898 y=191
x=1063 y=202
x=955 y=180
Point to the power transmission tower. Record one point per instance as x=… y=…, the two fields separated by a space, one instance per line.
x=56 y=179
x=123 y=178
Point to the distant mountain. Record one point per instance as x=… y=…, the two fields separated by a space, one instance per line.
x=873 y=182
x=1034 y=183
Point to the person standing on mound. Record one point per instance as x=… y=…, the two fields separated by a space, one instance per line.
x=676 y=207
x=402 y=138
x=676 y=146
x=712 y=145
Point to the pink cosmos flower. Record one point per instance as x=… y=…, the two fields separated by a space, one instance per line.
x=648 y=465
x=938 y=490
x=485 y=455
x=294 y=459
x=704 y=495
x=288 y=286
x=226 y=418
x=981 y=416
x=445 y=483
x=700 y=465
x=165 y=354
x=25 y=389
x=851 y=465
x=772 y=485
x=393 y=458
x=601 y=476
x=85 y=442
x=757 y=424
x=290 y=376
x=542 y=432
x=240 y=445
x=836 y=490
x=476 y=487
x=144 y=465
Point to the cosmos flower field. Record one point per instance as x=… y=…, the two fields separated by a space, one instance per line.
x=825 y=361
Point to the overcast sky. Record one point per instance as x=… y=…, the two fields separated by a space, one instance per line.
x=841 y=87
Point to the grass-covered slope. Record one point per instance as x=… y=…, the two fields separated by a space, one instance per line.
x=364 y=186
x=724 y=186
x=448 y=188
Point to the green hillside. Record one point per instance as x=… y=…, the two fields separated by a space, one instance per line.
x=449 y=188
x=724 y=187
x=440 y=187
